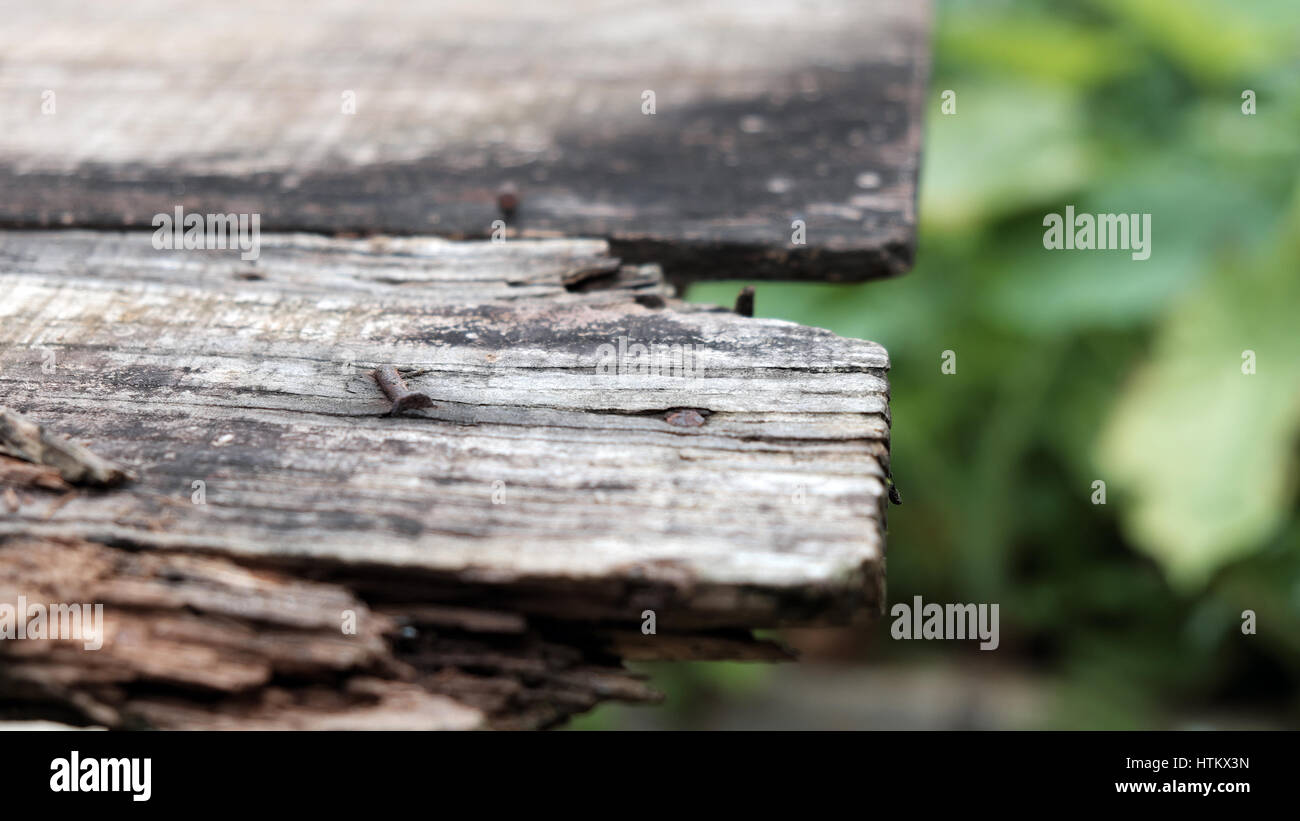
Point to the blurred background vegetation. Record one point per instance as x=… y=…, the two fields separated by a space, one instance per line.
x=1074 y=367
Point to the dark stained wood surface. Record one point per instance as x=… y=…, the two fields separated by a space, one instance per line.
x=766 y=112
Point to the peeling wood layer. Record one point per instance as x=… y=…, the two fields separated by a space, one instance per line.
x=192 y=642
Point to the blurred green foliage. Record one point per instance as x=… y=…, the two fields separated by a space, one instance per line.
x=1077 y=366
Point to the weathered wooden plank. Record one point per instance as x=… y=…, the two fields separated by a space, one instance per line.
x=496 y=551
x=535 y=471
x=766 y=112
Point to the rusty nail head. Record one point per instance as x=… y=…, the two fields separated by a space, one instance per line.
x=390 y=382
x=508 y=202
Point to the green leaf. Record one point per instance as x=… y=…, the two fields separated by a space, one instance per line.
x=978 y=169
x=1048 y=50
x=1202 y=452
x=1210 y=40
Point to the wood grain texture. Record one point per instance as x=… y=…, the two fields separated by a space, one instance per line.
x=766 y=112
x=536 y=479
x=497 y=551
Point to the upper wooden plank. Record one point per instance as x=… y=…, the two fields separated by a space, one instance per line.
x=555 y=471
x=766 y=112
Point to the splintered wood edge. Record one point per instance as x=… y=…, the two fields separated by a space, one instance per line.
x=254 y=379
x=199 y=642
x=766 y=114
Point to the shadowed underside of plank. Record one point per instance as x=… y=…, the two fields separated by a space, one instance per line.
x=410 y=117
x=558 y=482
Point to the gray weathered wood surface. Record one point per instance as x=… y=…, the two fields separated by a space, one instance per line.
x=500 y=546
x=766 y=112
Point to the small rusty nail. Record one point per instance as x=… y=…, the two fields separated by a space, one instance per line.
x=745 y=301
x=508 y=202
x=395 y=389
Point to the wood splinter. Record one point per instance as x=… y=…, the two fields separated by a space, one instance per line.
x=404 y=399
x=24 y=439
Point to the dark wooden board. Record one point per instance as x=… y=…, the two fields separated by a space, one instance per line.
x=766 y=112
